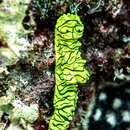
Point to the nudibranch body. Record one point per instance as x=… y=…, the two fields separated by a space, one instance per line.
x=69 y=70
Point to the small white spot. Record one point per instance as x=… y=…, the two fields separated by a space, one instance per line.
x=116 y=103
x=102 y=97
x=126 y=116
x=126 y=39
x=97 y=114
x=111 y=119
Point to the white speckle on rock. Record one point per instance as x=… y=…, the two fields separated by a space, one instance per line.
x=126 y=39
x=111 y=119
x=116 y=103
x=102 y=97
x=97 y=114
x=126 y=116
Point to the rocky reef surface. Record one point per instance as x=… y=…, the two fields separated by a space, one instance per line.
x=27 y=63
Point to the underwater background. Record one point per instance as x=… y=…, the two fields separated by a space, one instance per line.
x=27 y=63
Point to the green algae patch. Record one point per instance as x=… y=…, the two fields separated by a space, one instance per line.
x=13 y=37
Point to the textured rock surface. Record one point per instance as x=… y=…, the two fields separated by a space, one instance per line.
x=105 y=45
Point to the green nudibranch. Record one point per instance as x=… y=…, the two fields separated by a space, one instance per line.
x=69 y=70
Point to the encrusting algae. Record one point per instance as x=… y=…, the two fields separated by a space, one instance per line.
x=13 y=36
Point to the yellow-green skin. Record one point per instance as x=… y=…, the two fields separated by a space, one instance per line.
x=69 y=70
